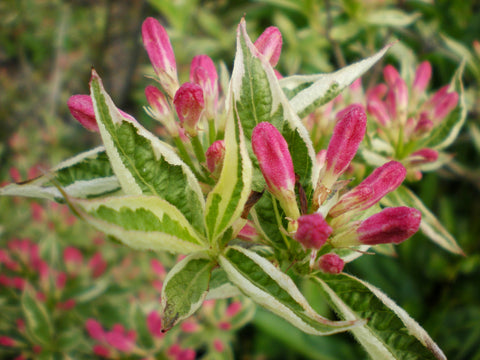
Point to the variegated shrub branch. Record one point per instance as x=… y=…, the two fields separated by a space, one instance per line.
x=242 y=187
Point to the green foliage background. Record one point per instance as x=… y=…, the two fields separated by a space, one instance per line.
x=48 y=46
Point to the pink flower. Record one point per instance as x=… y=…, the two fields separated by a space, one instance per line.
x=160 y=52
x=391 y=75
x=154 y=324
x=346 y=138
x=331 y=263
x=189 y=104
x=276 y=165
x=391 y=225
x=97 y=265
x=101 y=350
x=119 y=341
x=423 y=156
x=72 y=256
x=269 y=44
x=215 y=155
x=158 y=268
x=313 y=231
x=380 y=182
x=190 y=327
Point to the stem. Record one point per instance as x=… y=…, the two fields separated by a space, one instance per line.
x=211 y=131
x=198 y=149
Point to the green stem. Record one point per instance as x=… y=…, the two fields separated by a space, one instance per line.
x=198 y=149
x=211 y=131
x=187 y=160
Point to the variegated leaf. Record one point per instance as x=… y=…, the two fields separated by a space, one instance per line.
x=220 y=287
x=307 y=92
x=226 y=201
x=144 y=164
x=390 y=333
x=86 y=175
x=142 y=222
x=185 y=288
x=269 y=287
x=258 y=97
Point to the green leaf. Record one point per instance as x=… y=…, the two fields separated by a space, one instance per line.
x=142 y=222
x=86 y=175
x=307 y=92
x=185 y=288
x=269 y=287
x=429 y=225
x=139 y=319
x=39 y=324
x=391 y=17
x=258 y=97
x=226 y=201
x=390 y=332
x=144 y=164
x=220 y=287
x=445 y=133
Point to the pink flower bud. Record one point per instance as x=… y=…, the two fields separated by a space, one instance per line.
x=276 y=165
x=189 y=104
x=160 y=109
x=378 y=110
x=346 y=138
x=15 y=174
x=424 y=125
x=233 y=309
x=269 y=44
x=321 y=157
x=215 y=155
x=160 y=52
x=94 y=329
x=218 y=345
x=61 y=280
x=72 y=256
x=158 y=268
x=391 y=225
x=380 y=182
x=204 y=74
x=445 y=106
x=66 y=305
x=190 y=327
x=423 y=156
x=154 y=324
x=81 y=108
x=37 y=211
x=119 y=341
x=186 y=354
x=391 y=75
x=331 y=263
x=97 y=265
x=422 y=77
x=101 y=350
x=378 y=91
x=7 y=341
x=18 y=282
x=313 y=231
x=400 y=92
x=249 y=233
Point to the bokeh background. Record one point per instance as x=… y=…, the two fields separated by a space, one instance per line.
x=47 y=48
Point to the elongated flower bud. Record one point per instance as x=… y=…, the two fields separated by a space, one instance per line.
x=313 y=231
x=378 y=110
x=380 y=182
x=391 y=75
x=331 y=263
x=204 y=74
x=160 y=52
x=81 y=108
x=269 y=43
x=422 y=156
x=189 y=104
x=160 y=109
x=346 y=138
x=276 y=165
x=391 y=225
x=422 y=77
x=249 y=233
x=215 y=155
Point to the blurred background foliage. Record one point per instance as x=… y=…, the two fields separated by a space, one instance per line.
x=47 y=48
